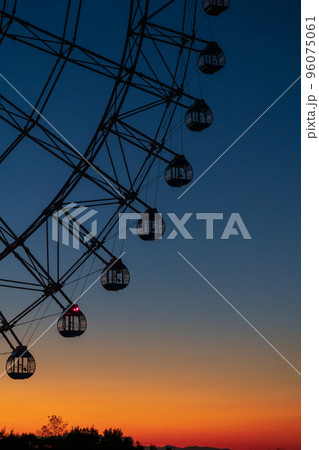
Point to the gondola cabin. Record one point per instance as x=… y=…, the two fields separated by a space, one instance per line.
x=199 y=116
x=20 y=364
x=151 y=226
x=215 y=7
x=179 y=172
x=211 y=59
x=72 y=323
x=115 y=276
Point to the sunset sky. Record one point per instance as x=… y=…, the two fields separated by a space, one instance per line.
x=167 y=360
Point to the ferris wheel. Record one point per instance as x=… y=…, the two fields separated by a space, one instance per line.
x=130 y=150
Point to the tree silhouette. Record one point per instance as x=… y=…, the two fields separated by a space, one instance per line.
x=55 y=427
x=56 y=436
x=113 y=439
x=139 y=446
x=82 y=438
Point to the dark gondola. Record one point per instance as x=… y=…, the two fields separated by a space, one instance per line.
x=151 y=226
x=72 y=323
x=20 y=364
x=199 y=116
x=115 y=276
x=211 y=59
x=179 y=172
x=215 y=7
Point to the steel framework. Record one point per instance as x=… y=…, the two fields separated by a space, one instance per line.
x=118 y=134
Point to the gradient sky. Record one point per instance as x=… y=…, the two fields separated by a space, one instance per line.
x=167 y=360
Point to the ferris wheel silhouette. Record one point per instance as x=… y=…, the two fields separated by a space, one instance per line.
x=151 y=79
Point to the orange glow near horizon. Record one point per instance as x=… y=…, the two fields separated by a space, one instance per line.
x=171 y=386
x=218 y=410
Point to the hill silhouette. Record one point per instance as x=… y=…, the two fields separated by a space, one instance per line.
x=193 y=447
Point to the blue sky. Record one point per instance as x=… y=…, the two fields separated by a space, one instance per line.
x=258 y=177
